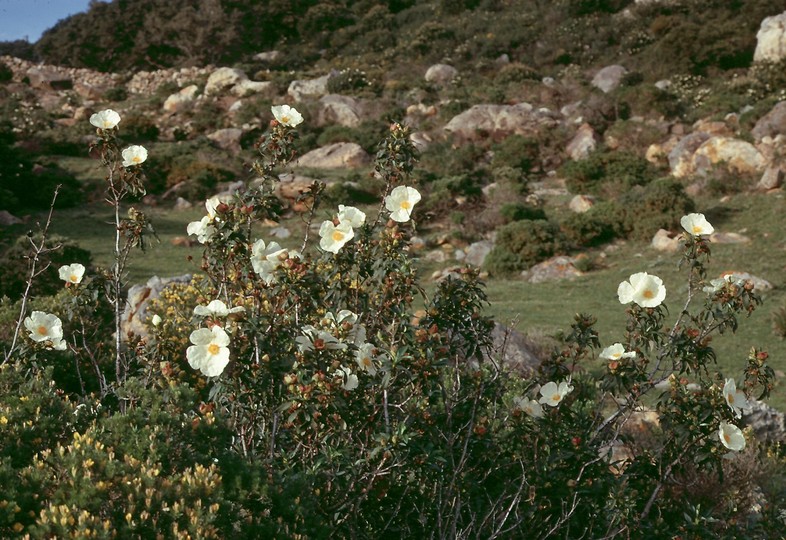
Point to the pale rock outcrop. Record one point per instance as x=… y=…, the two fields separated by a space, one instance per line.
x=222 y=79
x=498 y=121
x=581 y=203
x=553 y=269
x=475 y=253
x=7 y=218
x=342 y=155
x=182 y=100
x=771 y=124
x=49 y=78
x=309 y=88
x=248 y=87
x=583 y=143
x=267 y=56
x=681 y=156
x=227 y=139
x=666 y=241
x=516 y=350
x=771 y=39
x=441 y=74
x=421 y=140
x=768 y=424
x=337 y=109
x=609 y=78
x=771 y=179
x=738 y=155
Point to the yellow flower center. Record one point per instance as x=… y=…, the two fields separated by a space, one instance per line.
x=337 y=236
x=42 y=330
x=107 y=124
x=405 y=205
x=285 y=119
x=366 y=361
x=136 y=159
x=74 y=278
x=730 y=398
x=727 y=438
x=648 y=294
x=697 y=229
x=556 y=397
x=213 y=349
x=616 y=355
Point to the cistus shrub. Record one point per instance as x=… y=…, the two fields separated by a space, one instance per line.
x=522 y=244
x=322 y=392
x=658 y=205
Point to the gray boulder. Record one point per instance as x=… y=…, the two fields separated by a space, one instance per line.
x=337 y=109
x=342 y=155
x=609 y=78
x=441 y=74
x=135 y=315
x=222 y=79
x=771 y=39
x=771 y=124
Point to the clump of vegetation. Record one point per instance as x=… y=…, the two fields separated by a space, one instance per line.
x=522 y=244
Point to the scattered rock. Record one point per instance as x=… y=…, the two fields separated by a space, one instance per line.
x=267 y=56
x=581 y=203
x=728 y=238
x=759 y=284
x=183 y=241
x=609 y=78
x=247 y=88
x=182 y=100
x=437 y=256
x=554 y=269
x=768 y=424
x=771 y=179
x=421 y=140
x=227 y=139
x=441 y=74
x=771 y=124
x=139 y=296
x=583 y=143
x=514 y=349
x=182 y=204
x=498 y=121
x=309 y=87
x=222 y=79
x=280 y=232
x=666 y=241
x=475 y=254
x=7 y=218
x=771 y=39
x=339 y=155
x=337 y=109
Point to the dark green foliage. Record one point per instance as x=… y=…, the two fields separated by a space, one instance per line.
x=138 y=128
x=600 y=224
x=608 y=172
x=659 y=205
x=118 y=93
x=15 y=265
x=516 y=151
x=347 y=80
x=5 y=73
x=521 y=244
x=516 y=211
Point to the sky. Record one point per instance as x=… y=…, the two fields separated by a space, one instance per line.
x=20 y=19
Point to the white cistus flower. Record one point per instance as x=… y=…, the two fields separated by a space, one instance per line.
x=72 y=273
x=286 y=115
x=731 y=436
x=332 y=237
x=642 y=288
x=529 y=406
x=351 y=215
x=350 y=379
x=106 y=119
x=400 y=203
x=696 y=225
x=216 y=308
x=46 y=328
x=366 y=359
x=615 y=352
x=552 y=393
x=209 y=352
x=735 y=399
x=266 y=258
x=134 y=155
x=313 y=339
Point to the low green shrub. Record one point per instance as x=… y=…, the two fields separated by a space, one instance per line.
x=522 y=244
x=658 y=205
x=607 y=173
